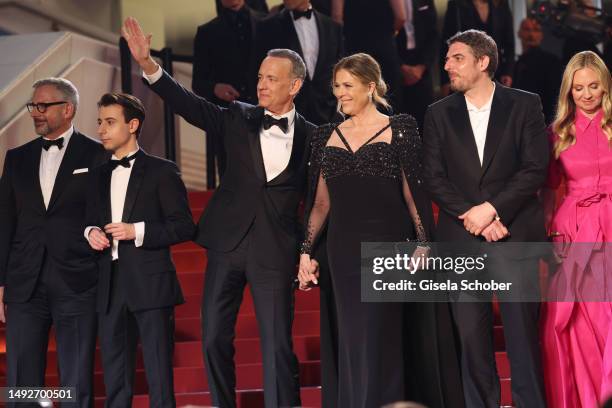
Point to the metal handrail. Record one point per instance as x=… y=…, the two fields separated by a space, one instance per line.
x=167 y=58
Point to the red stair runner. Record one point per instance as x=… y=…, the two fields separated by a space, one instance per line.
x=190 y=378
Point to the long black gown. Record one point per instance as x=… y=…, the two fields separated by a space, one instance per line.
x=374 y=195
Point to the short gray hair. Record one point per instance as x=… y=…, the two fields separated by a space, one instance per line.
x=64 y=86
x=298 y=67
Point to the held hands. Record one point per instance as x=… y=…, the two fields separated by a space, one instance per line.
x=139 y=44
x=308 y=273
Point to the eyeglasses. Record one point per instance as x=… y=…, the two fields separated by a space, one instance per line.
x=42 y=106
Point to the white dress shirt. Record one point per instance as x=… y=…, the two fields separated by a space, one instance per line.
x=308 y=34
x=409 y=26
x=120 y=179
x=276 y=146
x=50 y=161
x=479 y=119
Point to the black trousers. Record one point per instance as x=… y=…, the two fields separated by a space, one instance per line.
x=120 y=329
x=474 y=324
x=73 y=316
x=226 y=276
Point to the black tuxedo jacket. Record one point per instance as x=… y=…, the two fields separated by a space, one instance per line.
x=316 y=101
x=29 y=232
x=514 y=164
x=220 y=55
x=244 y=199
x=156 y=195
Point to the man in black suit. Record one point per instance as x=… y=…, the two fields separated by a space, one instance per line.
x=257 y=5
x=47 y=271
x=221 y=51
x=137 y=208
x=485 y=156
x=416 y=44
x=250 y=226
x=537 y=70
x=318 y=40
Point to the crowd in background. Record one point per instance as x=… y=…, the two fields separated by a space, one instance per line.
x=402 y=35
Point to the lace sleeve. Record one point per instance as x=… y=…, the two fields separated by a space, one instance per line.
x=317 y=217
x=408 y=145
x=317 y=197
x=414 y=213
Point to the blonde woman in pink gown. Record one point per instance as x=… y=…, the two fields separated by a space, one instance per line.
x=577 y=336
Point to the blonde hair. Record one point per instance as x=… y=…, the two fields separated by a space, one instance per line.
x=563 y=125
x=366 y=69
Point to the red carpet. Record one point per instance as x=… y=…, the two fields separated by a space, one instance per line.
x=190 y=378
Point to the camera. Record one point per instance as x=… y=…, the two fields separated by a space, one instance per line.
x=569 y=18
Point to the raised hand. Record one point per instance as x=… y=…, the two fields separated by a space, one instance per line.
x=139 y=44
x=226 y=92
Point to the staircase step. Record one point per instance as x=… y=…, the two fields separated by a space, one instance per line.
x=305 y=324
x=189 y=353
x=304 y=301
x=193 y=379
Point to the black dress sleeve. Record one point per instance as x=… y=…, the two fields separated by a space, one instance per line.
x=317 y=197
x=407 y=142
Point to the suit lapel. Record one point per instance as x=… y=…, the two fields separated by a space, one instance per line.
x=253 y=125
x=297 y=150
x=34 y=176
x=495 y=129
x=68 y=164
x=322 y=44
x=460 y=119
x=136 y=178
x=289 y=28
x=105 y=195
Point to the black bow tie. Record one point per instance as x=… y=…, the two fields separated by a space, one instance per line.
x=59 y=142
x=125 y=162
x=299 y=14
x=269 y=121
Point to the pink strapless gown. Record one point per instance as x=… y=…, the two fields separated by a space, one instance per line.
x=577 y=336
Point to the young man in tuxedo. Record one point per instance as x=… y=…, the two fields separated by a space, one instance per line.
x=47 y=271
x=137 y=208
x=318 y=40
x=250 y=226
x=485 y=156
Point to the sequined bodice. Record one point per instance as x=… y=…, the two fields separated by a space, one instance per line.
x=373 y=159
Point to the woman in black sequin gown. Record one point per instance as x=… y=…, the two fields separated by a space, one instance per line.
x=365 y=185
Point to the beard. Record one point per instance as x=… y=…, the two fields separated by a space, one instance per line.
x=42 y=128
x=458 y=86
